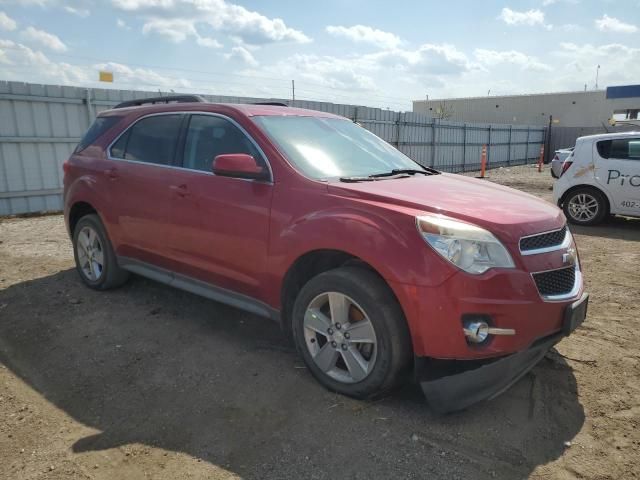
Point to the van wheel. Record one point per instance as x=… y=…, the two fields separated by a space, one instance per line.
x=94 y=256
x=585 y=206
x=351 y=332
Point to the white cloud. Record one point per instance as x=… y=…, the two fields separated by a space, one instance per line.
x=243 y=55
x=246 y=26
x=620 y=64
x=546 y=3
x=612 y=24
x=494 y=57
x=365 y=34
x=208 y=42
x=45 y=39
x=177 y=31
x=428 y=59
x=25 y=64
x=20 y=62
x=80 y=12
x=7 y=23
x=359 y=78
x=530 y=18
x=122 y=24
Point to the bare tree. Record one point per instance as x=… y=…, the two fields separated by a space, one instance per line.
x=444 y=111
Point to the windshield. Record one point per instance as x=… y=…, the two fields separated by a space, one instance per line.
x=332 y=147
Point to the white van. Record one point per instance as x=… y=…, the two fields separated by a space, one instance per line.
x=600 y=177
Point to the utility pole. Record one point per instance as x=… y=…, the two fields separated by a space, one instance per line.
x=293 y=90
x=597 y=73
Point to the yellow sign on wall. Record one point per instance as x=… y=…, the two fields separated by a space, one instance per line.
x=106 y=76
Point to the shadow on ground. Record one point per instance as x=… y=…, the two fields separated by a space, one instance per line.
x=622 y=228
x=152 y=365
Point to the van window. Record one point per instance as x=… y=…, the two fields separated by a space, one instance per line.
x=620 y=148
x=97 y=128
x=151 y=140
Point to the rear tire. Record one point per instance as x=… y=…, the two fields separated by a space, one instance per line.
x=585 y=206
x=351 y=332
x=95 y=260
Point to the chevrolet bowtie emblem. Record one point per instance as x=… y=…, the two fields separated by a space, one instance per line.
x=569 y=258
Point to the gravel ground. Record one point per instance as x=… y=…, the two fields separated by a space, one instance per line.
x=150 y=382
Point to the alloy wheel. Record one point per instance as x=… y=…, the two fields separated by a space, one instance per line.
x=90 y=253
x=583 y=207
x=340 y=337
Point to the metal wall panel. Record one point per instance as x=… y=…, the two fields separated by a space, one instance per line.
x=41 y=124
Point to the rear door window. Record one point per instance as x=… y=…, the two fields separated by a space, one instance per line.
x=209 y=136
x=150 y=140
x=97 y=128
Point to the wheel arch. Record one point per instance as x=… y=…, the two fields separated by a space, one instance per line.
x=307 y=266
x=586 y=186
x=78 y=210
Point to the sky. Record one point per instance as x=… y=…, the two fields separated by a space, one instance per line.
x=367 y=52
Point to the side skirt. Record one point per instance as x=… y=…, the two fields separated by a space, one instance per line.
x=199 y=287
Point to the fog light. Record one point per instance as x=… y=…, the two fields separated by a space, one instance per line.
x=476 y=331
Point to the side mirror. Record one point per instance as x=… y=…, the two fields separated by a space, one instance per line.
x=239 y=165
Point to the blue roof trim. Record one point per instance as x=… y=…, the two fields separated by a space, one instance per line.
x=625 y=91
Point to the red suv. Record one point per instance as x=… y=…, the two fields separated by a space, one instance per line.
x=374 y=265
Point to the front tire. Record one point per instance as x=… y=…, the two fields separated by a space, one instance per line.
x=351 y=332
x=585 y=206
x=95 y=260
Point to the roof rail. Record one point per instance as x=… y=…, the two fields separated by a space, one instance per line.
x=168 y=99
x=273 y=104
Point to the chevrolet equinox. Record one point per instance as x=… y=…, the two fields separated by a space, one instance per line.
x=375 y=266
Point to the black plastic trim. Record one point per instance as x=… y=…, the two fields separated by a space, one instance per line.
x=167 y=99
x=199 y=287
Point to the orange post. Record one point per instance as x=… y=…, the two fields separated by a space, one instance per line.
x=483 y=161
x=541 y=159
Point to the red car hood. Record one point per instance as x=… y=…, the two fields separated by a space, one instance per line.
x=506 y=212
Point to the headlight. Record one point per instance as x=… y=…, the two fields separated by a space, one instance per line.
x=469 y=247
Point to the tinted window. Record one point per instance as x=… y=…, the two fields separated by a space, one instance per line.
x=99 y=126
x=622 y=148
x=151 y=140
x=604 y=148
x=210 y=136
x=634 y=149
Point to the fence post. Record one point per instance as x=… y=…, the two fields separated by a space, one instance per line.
x=90 y=113
x=398 y=130
x=509 y=146
x=464 y=148
x=526 y=153
x=434 y=132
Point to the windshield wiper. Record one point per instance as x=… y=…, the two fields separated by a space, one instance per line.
x=408 y=171
x=396 y=172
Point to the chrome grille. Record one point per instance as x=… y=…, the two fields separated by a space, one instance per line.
x=556 y=282
x=544 y=240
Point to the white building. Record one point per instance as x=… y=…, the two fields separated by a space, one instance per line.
x=569 y=109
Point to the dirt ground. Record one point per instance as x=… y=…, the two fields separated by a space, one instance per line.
x=151 y=382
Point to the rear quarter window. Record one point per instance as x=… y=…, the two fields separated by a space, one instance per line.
x=96 y=130
x=604 y=148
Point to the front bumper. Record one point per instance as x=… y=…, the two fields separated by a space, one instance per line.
x=450 y=386
x=461 y=390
